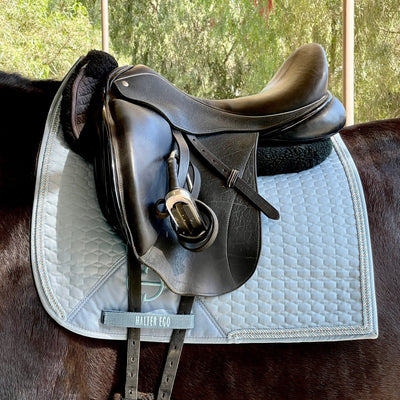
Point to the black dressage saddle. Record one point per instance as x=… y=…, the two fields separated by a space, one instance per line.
x=176 y=174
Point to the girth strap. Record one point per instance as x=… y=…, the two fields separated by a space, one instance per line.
x=133 y=342
x=174 y=352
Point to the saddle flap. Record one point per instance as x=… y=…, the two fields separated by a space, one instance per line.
x=131 y=174
x=233 y=257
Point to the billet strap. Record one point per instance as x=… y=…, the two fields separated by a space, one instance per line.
x=185 y=165
x=174 y=352
x=133 y=342
x=179 y=322
x=184 y=157
x=233 y=179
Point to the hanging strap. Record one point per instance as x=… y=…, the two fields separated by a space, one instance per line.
x=133 y=342
x=174 y=352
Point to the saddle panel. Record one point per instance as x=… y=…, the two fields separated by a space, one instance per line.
x=327 y=119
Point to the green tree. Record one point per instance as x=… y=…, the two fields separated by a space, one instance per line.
x=229 y=47
x=377 y=54
x=207 y=47
x=224 y=48
x=210 y=48
x=41 y=38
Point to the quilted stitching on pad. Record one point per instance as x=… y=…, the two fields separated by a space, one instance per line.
x=79 y=246
x=314 y=280
x=300 y=280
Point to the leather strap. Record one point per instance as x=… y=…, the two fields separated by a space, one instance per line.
x=184 y=157
x=174 y=352
x=185 y=166
x=233 y=179
x=133 y=342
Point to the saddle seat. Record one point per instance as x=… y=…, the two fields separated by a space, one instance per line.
x=302 y=79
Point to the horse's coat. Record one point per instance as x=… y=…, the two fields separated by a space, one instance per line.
x=39 y=360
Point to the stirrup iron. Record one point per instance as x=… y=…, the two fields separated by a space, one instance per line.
x=195 y=223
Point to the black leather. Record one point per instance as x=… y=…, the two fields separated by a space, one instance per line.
x=144 y=86
x=294 y=107
x=131 y=176
x=174 y=353
x=133 y=340
x=82 y=103
x=302 y=79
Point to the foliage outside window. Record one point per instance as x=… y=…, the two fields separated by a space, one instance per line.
x=210 y=48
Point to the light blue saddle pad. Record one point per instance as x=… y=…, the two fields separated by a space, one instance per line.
x=314 y=280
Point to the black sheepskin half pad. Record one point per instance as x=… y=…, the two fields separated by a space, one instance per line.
x=275 y=160
x=85 y=84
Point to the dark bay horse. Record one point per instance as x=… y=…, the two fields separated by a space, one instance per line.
x=41 y=361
